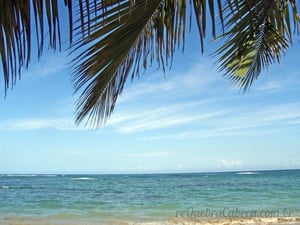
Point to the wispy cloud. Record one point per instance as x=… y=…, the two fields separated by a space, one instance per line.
x=229 y=163
x=197 y=78
x=154 y=104
x=47 y=65
x=271 y=86
x=261 y=121
x=161 y=117
x=38 y=124
x=191 y=100
x=278 y=80
x=211 y=133
x=199 y=102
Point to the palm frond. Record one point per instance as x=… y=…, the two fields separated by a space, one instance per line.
x=200 y=8
x=123 y=38
x=118 y=40
x=114 y=39
x=16 y=33
x=258 y=34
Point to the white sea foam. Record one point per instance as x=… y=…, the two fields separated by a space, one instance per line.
x=5 y=187
x=21 y=175
x=82 y=178
x=247 y=173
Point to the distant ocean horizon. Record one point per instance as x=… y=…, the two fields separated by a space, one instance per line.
x=162 y=172
x=162 y=198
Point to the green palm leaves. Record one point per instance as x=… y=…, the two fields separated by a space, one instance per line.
x=124 y=38
x=112 y=40
x=258 y=33
x=117 y=44
x=16 y=33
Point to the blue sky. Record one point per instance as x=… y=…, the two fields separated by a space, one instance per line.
x=188 y=119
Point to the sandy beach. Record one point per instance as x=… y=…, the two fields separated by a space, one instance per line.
x=171 y=221
x=226 y=221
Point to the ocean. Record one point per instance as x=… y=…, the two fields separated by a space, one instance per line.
x=263 y=197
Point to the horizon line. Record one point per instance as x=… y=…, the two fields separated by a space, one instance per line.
x=147 y=172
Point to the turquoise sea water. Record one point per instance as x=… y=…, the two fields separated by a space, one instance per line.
x=150 y=197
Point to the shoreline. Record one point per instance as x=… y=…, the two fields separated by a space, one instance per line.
x=51 y=220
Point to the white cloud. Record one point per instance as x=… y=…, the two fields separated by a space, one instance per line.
x=261 y=121
x=180 y=166
x=200 y=119
x=38 y=123
x=271 y=86
x=211 y=133
x=293 y=164
x=197 y=78
x=47 y=65
x=147 y=88
x=279 y=80
x=199 y=116
x=160 y=117
x=205 y=107
x=229 y=163
x=279 y=112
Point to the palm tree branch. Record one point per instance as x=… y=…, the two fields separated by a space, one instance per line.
x=249 y=47
x=16 y=33
x=115 y=47
x=123 y=37
x=115 y=38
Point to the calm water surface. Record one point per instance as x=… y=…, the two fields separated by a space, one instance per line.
x=151 y=197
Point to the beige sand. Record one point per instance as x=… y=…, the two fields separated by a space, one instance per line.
x=172 y=221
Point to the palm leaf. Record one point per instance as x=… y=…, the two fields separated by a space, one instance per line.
x=258 y=34
x=115 y=39
x=16 y=32
x=122 y=38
